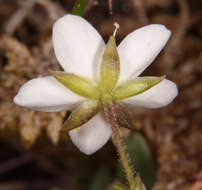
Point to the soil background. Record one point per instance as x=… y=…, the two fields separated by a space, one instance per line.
x=35 y=155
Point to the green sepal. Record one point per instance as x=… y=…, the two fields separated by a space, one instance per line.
x=78 y=84
x=81 y=115
x=136 y=86
x=110 y=68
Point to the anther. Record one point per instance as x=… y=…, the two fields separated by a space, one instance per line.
x=116 y=28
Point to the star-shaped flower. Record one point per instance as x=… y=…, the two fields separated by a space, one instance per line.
x=95 y=74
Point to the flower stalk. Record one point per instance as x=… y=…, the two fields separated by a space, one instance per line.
x=111 y=117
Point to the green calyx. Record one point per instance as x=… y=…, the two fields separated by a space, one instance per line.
x=106 y=90
x=109 y=75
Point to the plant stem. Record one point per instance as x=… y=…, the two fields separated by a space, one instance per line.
x=79 y=7
x=110 y=6
x=111 y=117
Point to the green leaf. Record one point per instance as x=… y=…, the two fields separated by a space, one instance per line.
x=141 y=158
x=79 y=7
x=136 y=86
x=120 y=187
x=101 y=180
x=81 y=115
x=110 y=68
x=80 y=85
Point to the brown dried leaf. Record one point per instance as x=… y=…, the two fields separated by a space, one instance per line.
x=54 y=127
x=30 y=127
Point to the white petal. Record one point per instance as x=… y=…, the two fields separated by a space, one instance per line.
x=78 y=46
x=91 y=136
x=139 y=49
x=46 y=94
x=158 y=96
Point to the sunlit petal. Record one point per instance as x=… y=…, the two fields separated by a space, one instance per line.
x=140 y=48
x=78 y=46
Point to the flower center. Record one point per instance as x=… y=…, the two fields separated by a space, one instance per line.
x=106 y=97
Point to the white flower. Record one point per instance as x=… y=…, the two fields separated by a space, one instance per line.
x=79 y=49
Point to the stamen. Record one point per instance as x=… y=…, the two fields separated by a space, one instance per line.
x=78 y=128
x=116 y=28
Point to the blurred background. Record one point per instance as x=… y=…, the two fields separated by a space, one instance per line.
x=165 y=144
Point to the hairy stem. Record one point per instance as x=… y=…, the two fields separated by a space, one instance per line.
x=111 y=117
